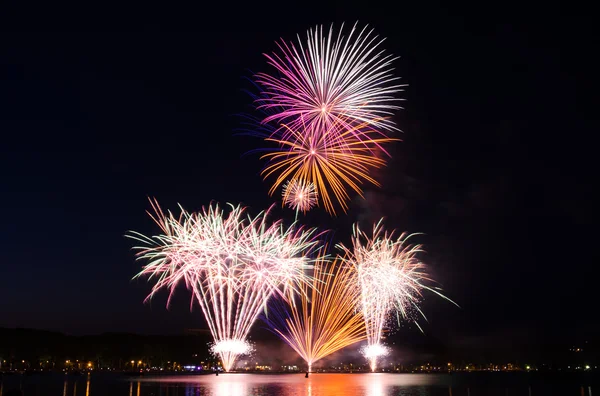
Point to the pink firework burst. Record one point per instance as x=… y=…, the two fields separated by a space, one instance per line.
x=331 y=79
x=231 y=262
x=391 y=279
x=299 y=195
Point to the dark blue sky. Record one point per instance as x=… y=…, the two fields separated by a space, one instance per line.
x=102 y=107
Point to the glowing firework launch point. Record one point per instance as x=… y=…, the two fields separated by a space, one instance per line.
x=229 y=350
x=238 y=347
x=372 y=352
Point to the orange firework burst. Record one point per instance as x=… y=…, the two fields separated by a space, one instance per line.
x=332 y=160
x=326 y=322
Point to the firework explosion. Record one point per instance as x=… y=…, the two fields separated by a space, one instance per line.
x=328 y=107
x=331 y=102
x=232 y=263
x=331 y=161
x=299 y=195
x=330 y=80
x=391 y=280
x=327 y=321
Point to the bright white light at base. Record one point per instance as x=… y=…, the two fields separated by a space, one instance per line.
x=374 y=351
x=237 y=347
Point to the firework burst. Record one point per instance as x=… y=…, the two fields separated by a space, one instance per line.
x=328 y=316
x=299 y=195
x=332 y=161
x=232 y=263
x=330 y=79
x=391 y=280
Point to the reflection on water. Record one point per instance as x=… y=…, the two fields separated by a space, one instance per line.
x=237 y=387
x=373 y=384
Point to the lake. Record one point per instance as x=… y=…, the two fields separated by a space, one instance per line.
x=318 y=384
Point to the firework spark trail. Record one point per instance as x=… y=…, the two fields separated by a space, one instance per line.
x=232 y=263
x=328 y=316
x=332 y=161
x=299 y=195
x=329 y=80
x=391 y=280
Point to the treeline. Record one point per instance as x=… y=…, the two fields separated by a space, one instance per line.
x=115 y=350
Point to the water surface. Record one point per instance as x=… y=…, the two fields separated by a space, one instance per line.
x=377 y=384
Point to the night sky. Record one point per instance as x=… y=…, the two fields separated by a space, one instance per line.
x=101 y=108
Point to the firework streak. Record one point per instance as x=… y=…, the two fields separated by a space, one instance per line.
x=391 y=280
x=331 y=80
x=232 y=263
x=299 y=195
x=332 y=161
x=326 y=319
x=331 y=101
